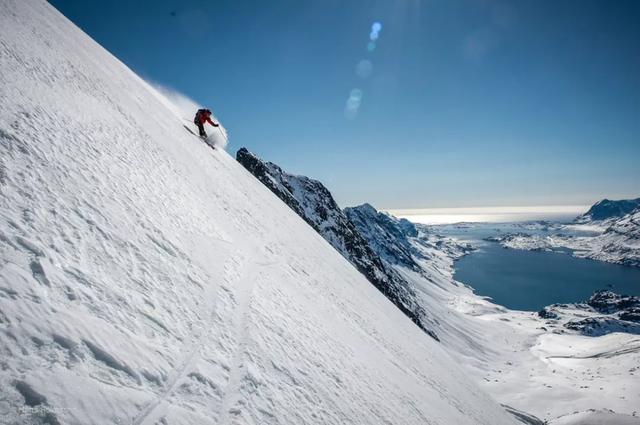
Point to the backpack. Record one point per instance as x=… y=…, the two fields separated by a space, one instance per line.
x=196 y=119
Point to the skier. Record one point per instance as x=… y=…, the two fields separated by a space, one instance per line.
x=203 y=116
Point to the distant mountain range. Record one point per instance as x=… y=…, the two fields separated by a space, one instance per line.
x=618 y=240
x=607 y=209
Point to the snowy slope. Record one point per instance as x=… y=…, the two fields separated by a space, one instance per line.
x=145 y=278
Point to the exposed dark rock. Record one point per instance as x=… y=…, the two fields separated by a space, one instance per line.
x=605 y=312
x=547 y=313
x=387 y=236
x=598 y=326
x=631 y=315
x=607 y=302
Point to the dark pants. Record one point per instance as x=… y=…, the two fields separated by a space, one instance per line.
x=201 y=129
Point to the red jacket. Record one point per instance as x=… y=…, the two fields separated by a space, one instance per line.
x=205 y=117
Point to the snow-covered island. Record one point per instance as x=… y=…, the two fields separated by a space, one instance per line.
x=604 y=313
x=148 y=279
x=617 y=238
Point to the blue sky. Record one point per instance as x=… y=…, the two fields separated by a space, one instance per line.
x=460 y=103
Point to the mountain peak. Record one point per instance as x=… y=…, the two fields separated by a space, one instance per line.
x=366 y=207
x=607 y=209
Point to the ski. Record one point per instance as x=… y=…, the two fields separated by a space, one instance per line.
x=201 y=138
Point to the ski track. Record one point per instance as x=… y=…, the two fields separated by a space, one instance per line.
x=196 y=343
x=242 y=296
x=241 y=322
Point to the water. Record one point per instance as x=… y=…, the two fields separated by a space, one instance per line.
x=530 y=280
x=558 y=213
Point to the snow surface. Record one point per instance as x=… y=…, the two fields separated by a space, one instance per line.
x=596 y=417
x=145 y=278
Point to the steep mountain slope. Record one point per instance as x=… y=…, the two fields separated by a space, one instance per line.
x=387 y=235
x=145 y=278
x=400 y=242
x=312 y=201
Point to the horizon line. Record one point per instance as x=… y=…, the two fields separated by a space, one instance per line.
x=489 y=210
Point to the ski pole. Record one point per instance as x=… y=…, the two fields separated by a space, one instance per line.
x=223 y=135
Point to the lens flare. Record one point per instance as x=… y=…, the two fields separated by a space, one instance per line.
x=364 y=69
x=353 y=104
x=375 y=31
x=356 y=94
